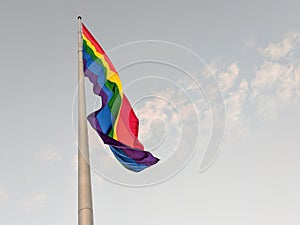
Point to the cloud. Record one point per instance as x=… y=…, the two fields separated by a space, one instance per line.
x=3 y=196
x=160 y=119
x=268 y=75
x=276 y=84
x=34 y=201
x=235 y=103
x=275 y=87
x=235 y=91
x=250 y=43
x=192 y=102
x=228 y=78
x=51 y=153
x=276 y=51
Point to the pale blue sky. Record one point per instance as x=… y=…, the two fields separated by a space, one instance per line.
x=252 y=47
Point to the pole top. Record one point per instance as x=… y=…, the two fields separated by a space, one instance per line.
x=79 y=17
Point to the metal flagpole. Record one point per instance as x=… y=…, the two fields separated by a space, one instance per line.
x=85 y=206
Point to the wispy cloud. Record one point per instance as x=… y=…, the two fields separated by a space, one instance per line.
x=51 y=153
x=34 y=201
x=235 y=91
x=192 y=102
x=158 y=108
x=249 y=44
x=160 y=119
x=235 y=103
x=228 y=77
x=276 y=84
x=275 y=51
x=3 y=196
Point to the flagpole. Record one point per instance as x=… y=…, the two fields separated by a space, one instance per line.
x=85 y=206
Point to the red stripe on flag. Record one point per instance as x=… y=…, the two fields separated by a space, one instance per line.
x=99 y=49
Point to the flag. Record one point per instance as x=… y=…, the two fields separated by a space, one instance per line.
x=115 y=122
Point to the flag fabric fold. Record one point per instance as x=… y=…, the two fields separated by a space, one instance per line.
x=115 y=122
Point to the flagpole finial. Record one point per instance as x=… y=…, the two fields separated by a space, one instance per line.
x=79 y=17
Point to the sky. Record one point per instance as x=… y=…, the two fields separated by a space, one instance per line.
x=206 y=78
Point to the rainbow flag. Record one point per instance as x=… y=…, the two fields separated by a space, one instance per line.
x=115 y=122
